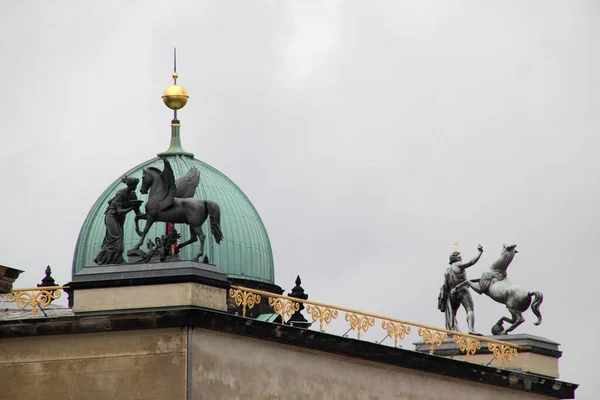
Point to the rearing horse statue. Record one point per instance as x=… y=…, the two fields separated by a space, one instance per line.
x=171 y=201
x=494 y=284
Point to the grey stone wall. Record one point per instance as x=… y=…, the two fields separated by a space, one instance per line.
x=143 y=364
x=234 y=367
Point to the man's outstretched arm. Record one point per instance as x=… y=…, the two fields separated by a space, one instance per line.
x=474 y=260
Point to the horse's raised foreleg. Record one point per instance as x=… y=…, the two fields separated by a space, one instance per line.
x=137 y=225
x=149 y=222
x=472 y=284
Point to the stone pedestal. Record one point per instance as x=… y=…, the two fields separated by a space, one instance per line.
x=536 y=354
x=8 y=276
x=152 y=285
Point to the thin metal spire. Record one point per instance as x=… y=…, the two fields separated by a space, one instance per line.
x=175 y=97
x=174 y=65
x=175 y=75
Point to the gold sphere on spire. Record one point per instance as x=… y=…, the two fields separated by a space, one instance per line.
x=175 y=97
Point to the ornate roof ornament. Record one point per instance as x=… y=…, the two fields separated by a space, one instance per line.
x=175 y=97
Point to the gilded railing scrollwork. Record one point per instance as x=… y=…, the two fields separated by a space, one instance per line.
x=244 y=298
x=360 y=322
x=395 y=330
x=35 y=297
x=432 y=337
x=467 y=345
x=502 y=352
x=321 y=314
x=283 y=307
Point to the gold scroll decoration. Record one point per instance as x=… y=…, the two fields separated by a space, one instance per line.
x=321 y=314
x=395 y=330
x=360 y=322
x=502 y=352
x=283 y=307
x=467 y=345
x=432 y=337
x=33 y=298
x=244 y=298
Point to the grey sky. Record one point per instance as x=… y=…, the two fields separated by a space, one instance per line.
x=369 y=135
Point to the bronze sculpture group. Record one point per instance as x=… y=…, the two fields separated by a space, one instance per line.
x=494 y=284
x=170 y=201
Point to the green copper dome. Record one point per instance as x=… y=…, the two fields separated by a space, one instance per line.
x=245 y=251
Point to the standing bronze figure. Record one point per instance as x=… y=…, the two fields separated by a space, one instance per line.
x=124 y=201
x=494 y=284
x=171 y=201
x=451 y=298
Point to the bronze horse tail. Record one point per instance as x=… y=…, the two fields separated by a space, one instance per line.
x=214 y=212
x=535 y=306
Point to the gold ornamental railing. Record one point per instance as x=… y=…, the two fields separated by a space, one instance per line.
x=361 y=322
x=38 y=297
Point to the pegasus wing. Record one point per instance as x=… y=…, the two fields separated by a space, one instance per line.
x=187 y=184
x=168 y=181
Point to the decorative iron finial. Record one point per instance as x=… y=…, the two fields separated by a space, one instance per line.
x=48 y=280
x=175 y=97
x=297 y=319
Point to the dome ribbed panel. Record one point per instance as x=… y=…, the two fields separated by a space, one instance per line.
x=245 y=251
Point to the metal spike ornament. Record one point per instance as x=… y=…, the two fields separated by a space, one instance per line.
x=175 y=97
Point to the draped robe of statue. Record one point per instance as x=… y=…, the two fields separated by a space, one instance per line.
x=114 y=218
x=448 y=303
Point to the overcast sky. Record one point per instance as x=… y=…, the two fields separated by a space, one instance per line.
x=370 y=135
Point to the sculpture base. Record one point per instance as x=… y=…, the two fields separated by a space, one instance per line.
x=137 y=256
x=149 y=285
x=537 y=355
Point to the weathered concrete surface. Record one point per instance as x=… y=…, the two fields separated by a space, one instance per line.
x=141 y=364
x=537 y=354
x=527 y=362
x=235 y=367
x=125 y=355
x=167 y=295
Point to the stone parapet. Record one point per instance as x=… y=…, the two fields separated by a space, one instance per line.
x=536 y=354
x=154 y=285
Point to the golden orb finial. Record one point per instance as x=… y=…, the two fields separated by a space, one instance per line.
x=175 y=97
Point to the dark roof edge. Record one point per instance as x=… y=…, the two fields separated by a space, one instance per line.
x=228 y=323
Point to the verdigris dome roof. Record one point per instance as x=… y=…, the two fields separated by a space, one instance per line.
x=245 y=251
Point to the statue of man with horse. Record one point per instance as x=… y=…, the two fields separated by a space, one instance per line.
x=494 y=283
x=171 y=200
x=451 y=298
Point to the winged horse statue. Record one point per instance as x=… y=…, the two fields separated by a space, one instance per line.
x=495 y=284
x=171 y=200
